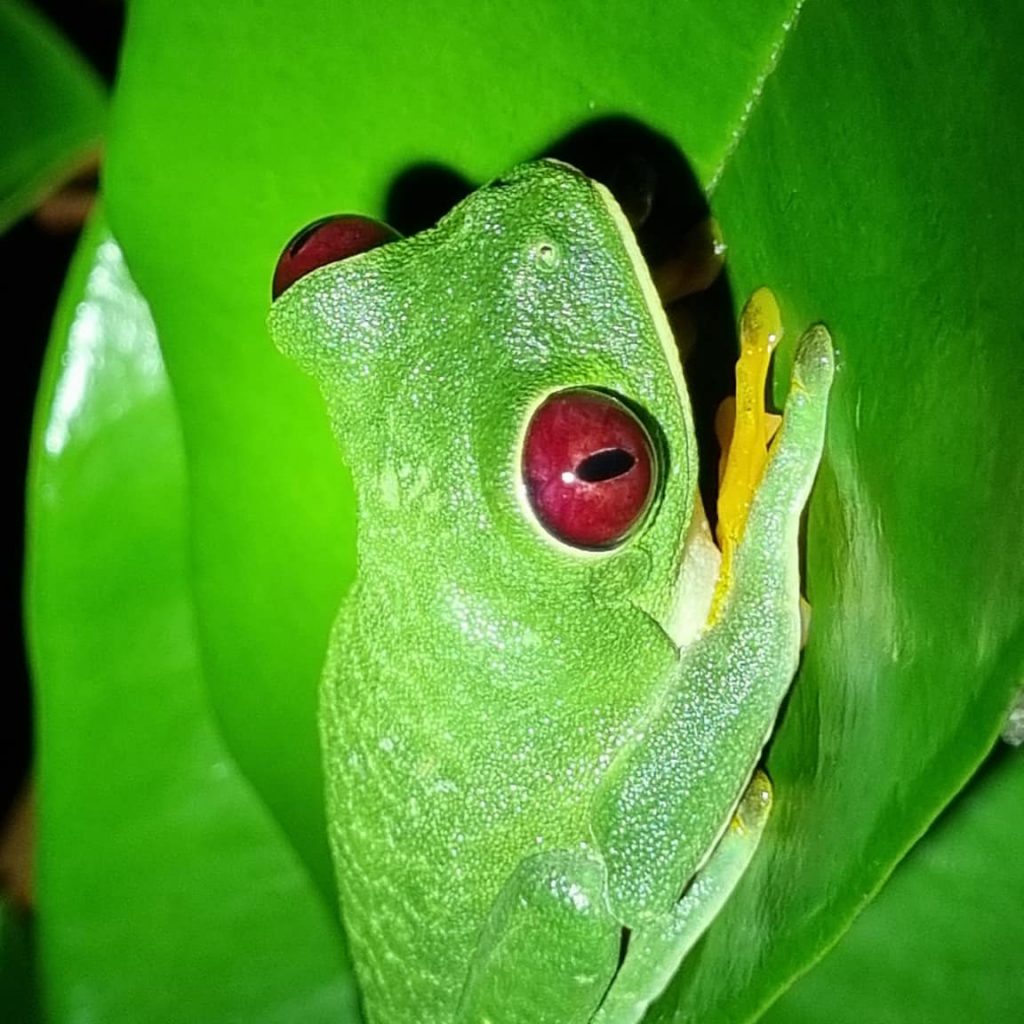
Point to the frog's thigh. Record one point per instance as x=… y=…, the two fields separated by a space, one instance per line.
x=657 y=949
x=549 y=948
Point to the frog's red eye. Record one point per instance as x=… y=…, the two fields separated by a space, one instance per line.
x=588 y=468
x=327 y=241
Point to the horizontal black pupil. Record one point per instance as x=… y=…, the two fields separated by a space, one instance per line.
x=605 y=465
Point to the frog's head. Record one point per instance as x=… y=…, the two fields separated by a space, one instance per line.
x=508 y=395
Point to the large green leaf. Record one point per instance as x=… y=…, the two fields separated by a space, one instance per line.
x=857 y=189
x=855 y=166
x=277 y=119
x=942 y=942
x=52 y=109
x=166 y=893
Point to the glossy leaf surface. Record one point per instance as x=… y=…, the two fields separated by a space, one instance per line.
x=52 y=109
x=165 y=890
x=942 y=937
x=915 y=567
x=855 y=166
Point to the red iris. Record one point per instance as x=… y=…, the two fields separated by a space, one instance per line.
x=327 y=241
x=588 y=468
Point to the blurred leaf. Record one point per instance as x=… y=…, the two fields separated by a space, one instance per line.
x=18 y=998
x=943 y=940
x=855 y=165
x=52 y=110
x=165 y=891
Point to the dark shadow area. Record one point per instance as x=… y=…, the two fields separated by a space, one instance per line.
x=422 y=194
x=645 y=171
x=659 y=193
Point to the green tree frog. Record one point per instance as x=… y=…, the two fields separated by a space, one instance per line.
x=547 y=692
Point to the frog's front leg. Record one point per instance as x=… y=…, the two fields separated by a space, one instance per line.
x=549 y=948
x=656 y=950
x=670 y=792
x=551 y=951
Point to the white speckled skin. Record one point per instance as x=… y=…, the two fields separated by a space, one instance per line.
x=520 y=760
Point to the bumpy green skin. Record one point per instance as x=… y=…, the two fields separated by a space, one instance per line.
x=497 y=708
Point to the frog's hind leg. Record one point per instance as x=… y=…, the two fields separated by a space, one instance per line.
x=549 y=948
x=658 y=948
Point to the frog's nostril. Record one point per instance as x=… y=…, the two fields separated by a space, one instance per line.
x=328 y=240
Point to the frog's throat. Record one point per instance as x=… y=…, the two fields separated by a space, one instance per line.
x=698 y=576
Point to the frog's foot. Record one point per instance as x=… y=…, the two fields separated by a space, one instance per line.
x=694 y=267
x=763 y=492
x=549 y=948
x=745 y=431
x=725 y=430
x=656 y=949
x=795 y=452
x=551 y=928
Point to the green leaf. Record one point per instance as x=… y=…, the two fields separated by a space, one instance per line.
x=312 y=110
x=165 y=891
x=857 y=190
x=52 y=110
x=855 y=166
x=944 y=936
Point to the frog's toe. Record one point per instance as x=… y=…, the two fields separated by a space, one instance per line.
x=805 y=621
x=755 y=805
x=815 y=361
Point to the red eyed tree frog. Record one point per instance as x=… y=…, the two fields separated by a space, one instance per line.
x=547 y=691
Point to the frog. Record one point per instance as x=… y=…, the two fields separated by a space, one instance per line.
x=547 y=691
